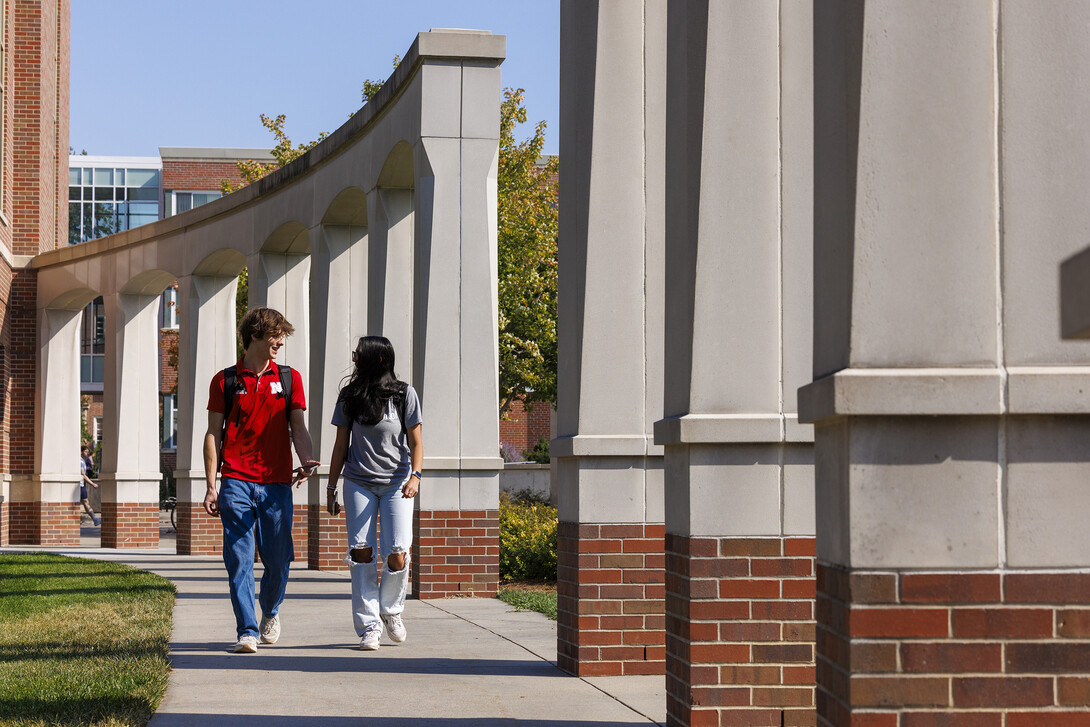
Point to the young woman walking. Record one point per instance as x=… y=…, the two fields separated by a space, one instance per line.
x=380 y=451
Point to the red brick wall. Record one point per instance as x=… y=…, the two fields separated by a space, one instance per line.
x=4 y=526
x=198 y=175
x=22 y=325
x=198 y=532
x=523 y=429
x=327 y=539
x=976 y=649
x=130 y=525
x=740 y=625
x=457 y=553
x=45 y=523
x=610 y=598
x=168 y=374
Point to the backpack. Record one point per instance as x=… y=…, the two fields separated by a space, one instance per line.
x=230 y=391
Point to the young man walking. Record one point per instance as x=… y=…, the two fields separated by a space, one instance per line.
x=249 y=443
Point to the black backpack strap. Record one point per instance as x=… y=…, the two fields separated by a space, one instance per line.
x=230 y=390
x=286 y=378
x=399 y=399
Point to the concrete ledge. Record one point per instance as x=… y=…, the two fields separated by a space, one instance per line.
x=1049 y=390
x=903 y=392
x=600 y=445
x=462 y=463
x=727 y=428
x=1075 y=296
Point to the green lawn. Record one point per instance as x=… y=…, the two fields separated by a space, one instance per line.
x=82 y=642
x=530 y=598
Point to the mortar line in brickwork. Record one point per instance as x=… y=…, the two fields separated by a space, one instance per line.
x=436 y=606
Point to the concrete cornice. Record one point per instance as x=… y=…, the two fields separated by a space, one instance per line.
x=212 y=154
x=1039 y=390
x=438 y=45
x=603 y=445
x=755 y=428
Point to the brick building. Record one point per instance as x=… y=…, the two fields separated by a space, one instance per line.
x=34 y=44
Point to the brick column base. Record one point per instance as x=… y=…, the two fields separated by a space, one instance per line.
x=327 y=539
x=974 y=649
x=300 y=532
x=456 y=553
x=198 y=532
x=44 y=523
x=130 y=525
x=610 y=599
x=740 y=631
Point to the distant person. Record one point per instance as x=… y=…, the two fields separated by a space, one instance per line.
x=380 y=450
x=249 y=443
x=85 y=479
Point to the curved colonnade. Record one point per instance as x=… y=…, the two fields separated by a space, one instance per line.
x=386 y=227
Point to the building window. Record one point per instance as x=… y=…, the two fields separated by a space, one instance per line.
x=103 y=200
x=97 y=434
x=170 y=422
x=168 y=315
x=93 y=346
x=178 y=202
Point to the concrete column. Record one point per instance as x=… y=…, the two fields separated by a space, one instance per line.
x=206 y=345
x=45 y=507
x=338 y=318
x=950 y=419
x=390 y=271
x=609 y=471
x=281 y=281
x=130 y=459
x=455 y=346
x=739 y=476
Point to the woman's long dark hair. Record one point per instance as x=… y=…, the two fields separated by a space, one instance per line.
x=373 y=381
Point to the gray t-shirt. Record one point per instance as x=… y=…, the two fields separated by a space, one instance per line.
x=379 y=454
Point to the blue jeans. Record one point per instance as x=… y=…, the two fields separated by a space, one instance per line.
x=249 y=509
x=364 y=505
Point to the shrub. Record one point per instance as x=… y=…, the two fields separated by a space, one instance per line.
x=540 y=452
x=527 y=538
x=509 y=453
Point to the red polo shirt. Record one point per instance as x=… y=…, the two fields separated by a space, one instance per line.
x=257 y=447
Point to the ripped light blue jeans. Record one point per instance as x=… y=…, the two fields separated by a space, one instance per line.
x=364 y=506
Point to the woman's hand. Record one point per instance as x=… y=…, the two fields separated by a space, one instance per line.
x=331 y=505
x=411 y=487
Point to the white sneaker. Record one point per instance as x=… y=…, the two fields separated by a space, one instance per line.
x=270 y=629
x=246 y=645
x=371 y=638
x=394 y=627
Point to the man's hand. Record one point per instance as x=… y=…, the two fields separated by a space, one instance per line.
x=305 y=470
x=331 y=505
x=212 y=503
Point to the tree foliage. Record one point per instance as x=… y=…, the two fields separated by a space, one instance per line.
x=283 y=153
x=527 y=225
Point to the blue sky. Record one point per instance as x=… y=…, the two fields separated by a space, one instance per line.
x=151 y=73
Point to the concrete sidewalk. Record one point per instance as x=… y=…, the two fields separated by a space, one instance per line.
x=465 y=662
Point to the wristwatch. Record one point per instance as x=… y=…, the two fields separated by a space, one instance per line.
x=416 y=473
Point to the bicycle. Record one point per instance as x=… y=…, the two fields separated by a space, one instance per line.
x=171 y=503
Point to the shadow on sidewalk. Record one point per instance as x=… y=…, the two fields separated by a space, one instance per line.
x=267 y=720
x=348 y=659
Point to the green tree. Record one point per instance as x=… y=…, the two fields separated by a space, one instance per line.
x=527 y=226
x=283 y=153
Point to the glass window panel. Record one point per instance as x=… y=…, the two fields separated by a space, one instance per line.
x=73 y=223
x=104 y=219
x=104 y=193
x=200 y=198
x=85 y=369
x=144 y=208
x=183 y=202
x=146 y=193
x=119 y=177
x=137 y=220
x=119 y=193
x=88 y=222
x=74 y=193
x=143 y=178
x=98 y=369
x=73 y=175
x=104 y=177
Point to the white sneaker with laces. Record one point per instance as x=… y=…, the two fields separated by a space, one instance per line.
x=394 y=627
x=371 y=638
x=246 y=645
x=270 y=629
